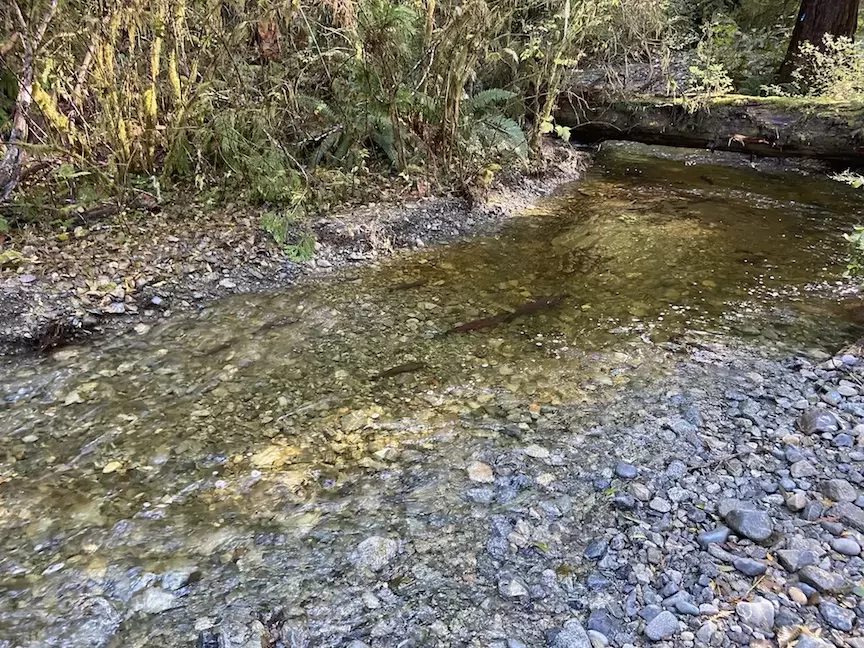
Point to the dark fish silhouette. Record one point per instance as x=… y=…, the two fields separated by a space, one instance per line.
x=532 y=307
x=408 y=367
x=408 y=285
x=480 y=324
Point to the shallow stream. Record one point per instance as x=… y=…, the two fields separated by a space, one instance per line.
x=159 y=487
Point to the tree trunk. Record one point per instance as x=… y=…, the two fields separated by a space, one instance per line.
x=15 y=155
x=815 y=19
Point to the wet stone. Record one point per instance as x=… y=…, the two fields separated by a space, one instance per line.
x=480 y=472
x=374 y=553
x=154 y=601
x=662 y=626
x=837 y=617
x=752 y=524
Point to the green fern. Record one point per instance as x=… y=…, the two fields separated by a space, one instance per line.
x=488 y=99
x=503 y=134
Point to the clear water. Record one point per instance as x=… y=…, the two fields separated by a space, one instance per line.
x=252 y=441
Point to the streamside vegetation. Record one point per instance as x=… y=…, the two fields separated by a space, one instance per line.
x=304 y=104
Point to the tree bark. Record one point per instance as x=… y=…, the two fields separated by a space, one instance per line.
x=815 y=19
x=754 y=126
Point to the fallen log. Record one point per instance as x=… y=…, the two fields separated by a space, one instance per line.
x=764 y=127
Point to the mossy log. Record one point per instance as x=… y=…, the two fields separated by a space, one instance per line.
x=769 y=127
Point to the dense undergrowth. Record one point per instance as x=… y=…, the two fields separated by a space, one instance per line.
x=305 y=104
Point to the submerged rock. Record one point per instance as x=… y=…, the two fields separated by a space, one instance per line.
x=480 y=472
x=374 y=553
x=96 y=622
x=154 y=601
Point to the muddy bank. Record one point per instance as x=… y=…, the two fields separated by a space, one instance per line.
x=137 y=271
x=769 y=127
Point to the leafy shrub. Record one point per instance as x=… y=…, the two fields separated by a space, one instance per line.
x=835 y=70
x=290 y=232
x=855 y=244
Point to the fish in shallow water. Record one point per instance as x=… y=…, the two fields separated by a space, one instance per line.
x=532 y=307
x=408 y=367
x=408 y=285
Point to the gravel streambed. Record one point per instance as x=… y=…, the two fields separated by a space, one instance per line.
x=718 y=506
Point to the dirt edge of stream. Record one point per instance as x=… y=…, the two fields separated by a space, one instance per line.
x=123 y=277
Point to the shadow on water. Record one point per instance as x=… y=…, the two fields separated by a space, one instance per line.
x=252 y=445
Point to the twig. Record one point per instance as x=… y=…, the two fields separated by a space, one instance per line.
x=722 y=460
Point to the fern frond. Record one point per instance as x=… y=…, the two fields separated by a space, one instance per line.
x=503 y=133
x=316 y=106
x=487 y=98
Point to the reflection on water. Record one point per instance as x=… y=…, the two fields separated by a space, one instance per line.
x=232 y=445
